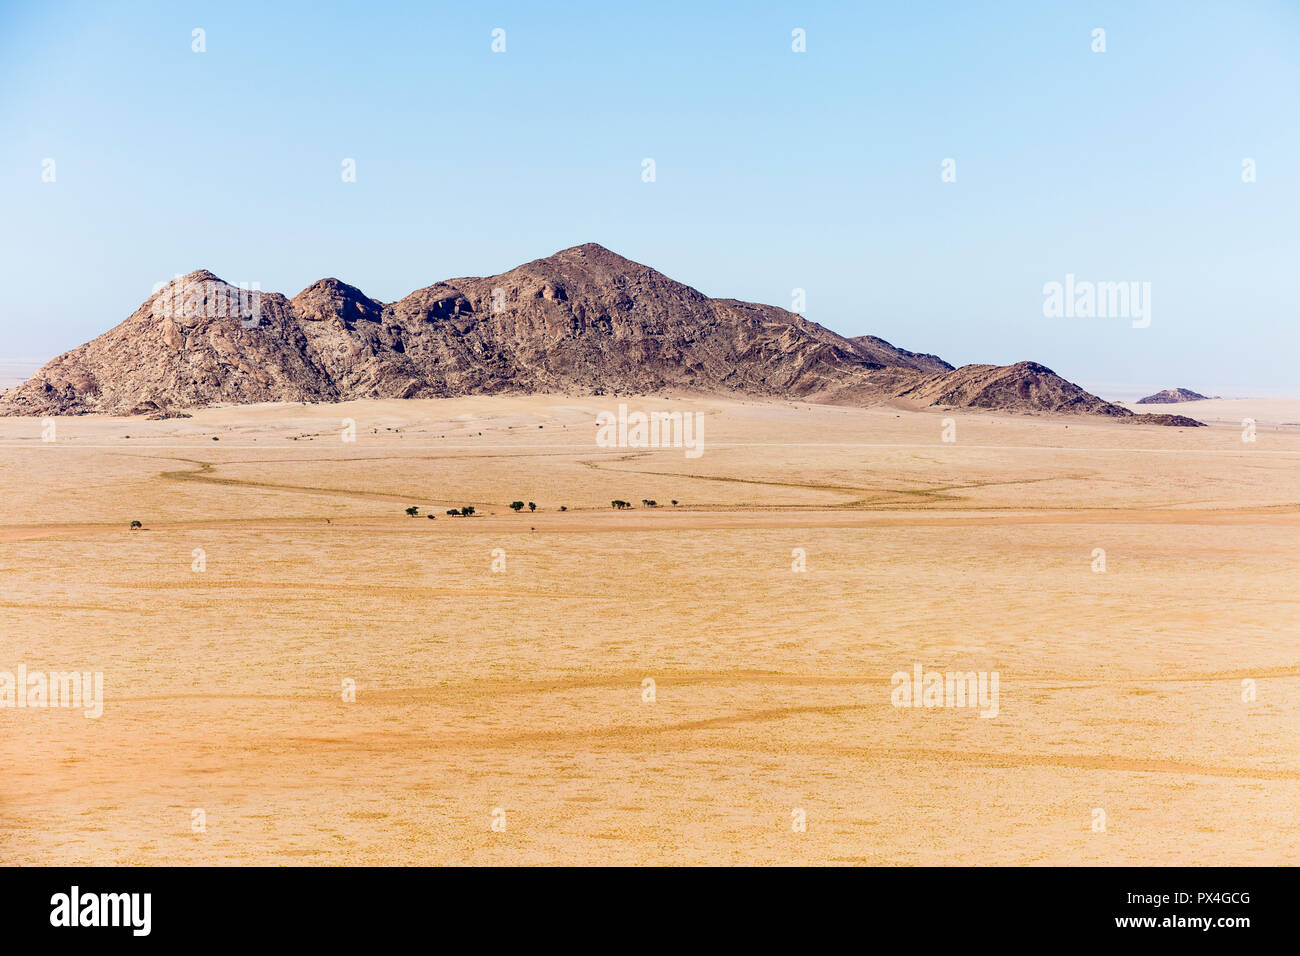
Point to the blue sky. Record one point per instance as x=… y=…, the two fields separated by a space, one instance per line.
x=774 y=170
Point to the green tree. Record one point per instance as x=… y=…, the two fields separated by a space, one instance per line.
x=413 y=511
x=518 y=506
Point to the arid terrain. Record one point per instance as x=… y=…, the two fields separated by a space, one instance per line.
x=522 y=690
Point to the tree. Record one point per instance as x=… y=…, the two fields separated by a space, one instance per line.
x=454 y=512
x=674 y=501
x=532 y=506
x=136 y=524
x=467 y=510
x=413 y=511
x=564 y=507
x=518 y=506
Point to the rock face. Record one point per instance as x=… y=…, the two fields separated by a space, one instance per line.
x=583 y=321
x=1172 y=395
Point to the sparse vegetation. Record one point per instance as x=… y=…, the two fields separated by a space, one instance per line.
x=413 y=511
x=532 y=506
x=564 y=508
x=136 y=524
x=518 y=506
x=619 y=504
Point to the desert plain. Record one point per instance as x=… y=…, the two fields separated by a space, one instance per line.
x=503 y=712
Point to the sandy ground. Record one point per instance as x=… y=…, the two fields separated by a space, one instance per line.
x=518 y=695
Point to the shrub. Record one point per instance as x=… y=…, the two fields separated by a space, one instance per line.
x=518 y=506
x=413 y=511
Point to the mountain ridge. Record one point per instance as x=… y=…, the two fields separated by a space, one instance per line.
x=584 y=320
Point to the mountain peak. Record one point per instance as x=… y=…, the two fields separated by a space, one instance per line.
x=332 y=286
x=330 y=297
x=589 y=250
x=192 y=279
x=589 y=257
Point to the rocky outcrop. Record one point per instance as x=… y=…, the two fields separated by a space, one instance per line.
x=1171 y=396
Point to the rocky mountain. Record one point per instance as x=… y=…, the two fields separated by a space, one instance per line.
x=1172 y=395
x=583 y=321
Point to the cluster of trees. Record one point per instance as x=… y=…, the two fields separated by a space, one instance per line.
x=519 y=506
x=455 y=512
x=619 y=504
